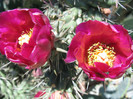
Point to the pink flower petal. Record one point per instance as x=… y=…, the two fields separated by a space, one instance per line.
x=72 y=48
x=39 y=94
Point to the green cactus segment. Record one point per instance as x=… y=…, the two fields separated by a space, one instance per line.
x=122 y=88
x=86 y=4
x=11 y=91
x=116 y=89
x=111 y=2
x=69 y=17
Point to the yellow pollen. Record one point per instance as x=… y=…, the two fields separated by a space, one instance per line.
x=25 y=37
x=99 y=52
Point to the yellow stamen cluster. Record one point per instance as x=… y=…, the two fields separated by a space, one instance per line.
x=99 y=52
x=25 y=37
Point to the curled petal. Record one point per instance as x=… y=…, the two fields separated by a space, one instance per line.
x=73 y=48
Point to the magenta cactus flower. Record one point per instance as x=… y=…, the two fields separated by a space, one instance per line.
x=26 y=37
x=102 y=50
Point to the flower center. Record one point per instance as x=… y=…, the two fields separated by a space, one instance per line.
x=99 y=52
x=25 y=37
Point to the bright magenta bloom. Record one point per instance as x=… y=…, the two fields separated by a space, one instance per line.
x=102 y=50
x=26 y=37
x=39 y=94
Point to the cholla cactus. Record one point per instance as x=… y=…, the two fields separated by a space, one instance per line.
x=57 y=78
